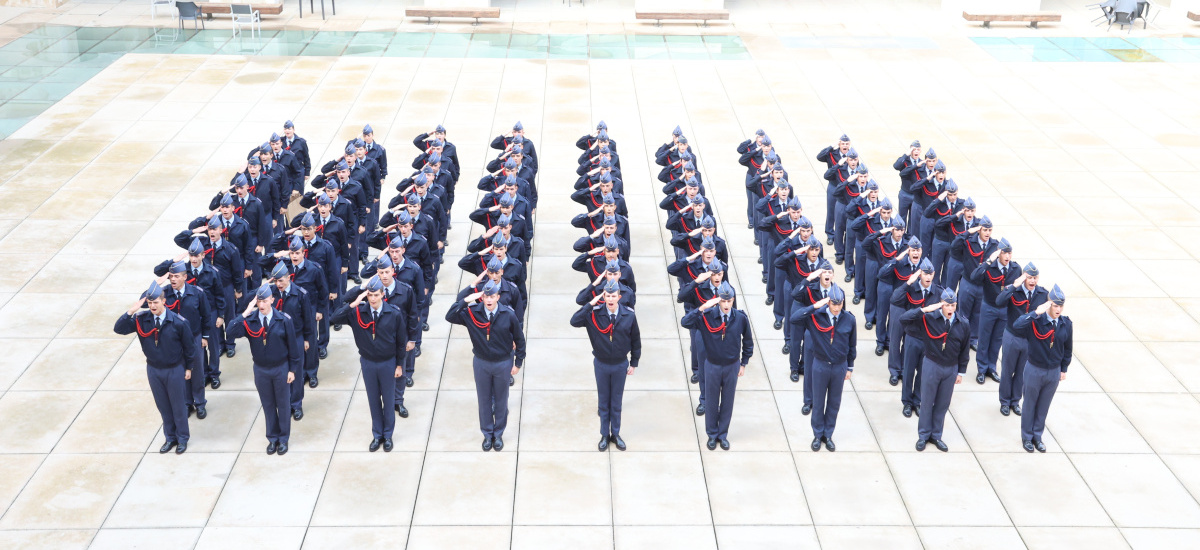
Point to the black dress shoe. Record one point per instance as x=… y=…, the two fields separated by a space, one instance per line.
x=816 y=444
x=1016 y=408
x=1041 y=447
x=760 y=261
x=416 y=352
x=764 y=278
x=839 y=260
x=749 y=226
x=806 y=409
x=191 y=410
x=921 y=445
x=856 y=301
x=408 y=382
x=724 y=444
x=917 y=410
x=829 y=446
x=511 y=380
x=849 y=277
x=281 y=449
x=497 y=444
x=603 y=445
x=756 y=242
x=182 y=448
x=941 y=445
x=620 y=443
x=424 y=327
x=778 y=323
x=401 y=410
x=700 y=409
x=230 y=352
x=1004 y=410
x=312 y=382
x=974 y=346
x=870 y=325
x=795 y=376
x=297 y=414
x=375 y=443
x=201 y=412
x=981 y=378
x=771 y=300
x=1028 y=445
x=894 y=380
x=356 y=279
x=829 y=240
x=388 y=445
x=323 y=353
x=166 y=447
x=695 y=378
x=712 y=443
x=337 y=327
x=879 y=352
x=787 y=348
x=908 y=410
x=272 y=447
x=216 y=383
x=487 y=444
x=994 y=376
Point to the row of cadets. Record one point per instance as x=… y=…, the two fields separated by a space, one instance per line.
x=606 y=303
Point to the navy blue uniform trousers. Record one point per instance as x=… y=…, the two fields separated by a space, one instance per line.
x=937 y=387
x=491 y=389
x=1012 y=369
x=827 y=382
x=720 y=384
x=379 y=378
x=276 y=398
x=171 y=397
x=610 y=385
x=1040 y=385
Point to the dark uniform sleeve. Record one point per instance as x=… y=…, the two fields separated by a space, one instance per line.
x=747 y=340
x=519 y=341
x=635 y=344
x=852 y=353
x=964 y=353
x=1067 y=345
x=295 y=348
x=188 y=344
x=579 y=318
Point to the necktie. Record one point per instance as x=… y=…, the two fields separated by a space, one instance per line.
x=195 y=273
x=724 y=318
x=924 y=294
x=263 y=320
x=824 y=293
x=374 y=316
x=835 y=318
x=489 y=316
x=157 y=323
x=612 y=318
x=1054 y=323
x=1028 y=295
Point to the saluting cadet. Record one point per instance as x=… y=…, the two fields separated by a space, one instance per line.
x=398 y=291
x=1021 y=297
x=202 y=275
x=277 y=354
x=510 y=295
x=248 y=207
x=865 y=216
x=915 y=292
x=816 y=287
x=906 y=164
x=960 y=224
x=972 y=248
x=376 y=152
x=295 y=301
x=833 y=338
x=770 y=207
x=227 y=260
x=1048 y=334
x=775 y=229
x=848 y=191
x=616 y=349
x=435 y=142
x=312 y=278
x=754 y=156
x=193 y=306
x=692 y=295
x=612 y=273
x=691 y=242
x=676 y=175
x=170 y=350
x=753 y=188
x=505 y=142
x=595 y=219
x=686 y=269
x=914 y=177
x=947 y=351
x=233 y=229
x=597 y=238
x=589 y=140
x=991 y=276
x=726 y=334
x=517 y=247
x=590 y=161
x=382 y=337
x=593 y=263
x=930 y=191
x=939 y=216
x=477 y=262
x=291 y=164
x=496 y=336
x=260 y=186
x=835 y=156
x=800 y=263
x=298 y=146
x=882 y=240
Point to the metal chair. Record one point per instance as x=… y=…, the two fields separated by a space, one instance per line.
x=189 y=11
x=154 y=5
x=1122 y=19
x=245 y=14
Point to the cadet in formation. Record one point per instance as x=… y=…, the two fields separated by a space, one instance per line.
x=276 y=348
x=946 y=340
x=831 y=338
x=728 y=346
x=616 y=349
x=1048 y=336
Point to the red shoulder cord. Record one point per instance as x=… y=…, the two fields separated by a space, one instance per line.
x=279 y=304
x=485 y=325
x=998 y=279
x=755 y=164
x=710 y=328
x=238 y=210
x=954 y=229
x=799 y=269
x=852 y=194
x=972 y=251
x=925 y=188
x=945 y=335
x=361 y=324
x=940 y=213
x=597 y=325
x=260 y=333
x=1019 y=303
x=781 y=230
x=1040 y=336
x=883 y=249
x=920 y=302
x=174 y=306
x=145 y=334
x=817 y=325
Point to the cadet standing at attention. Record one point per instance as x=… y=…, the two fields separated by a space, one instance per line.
x=725 y=332
x=831 y=343
x=1048 y=334
x=277 y=354
x=947 y=349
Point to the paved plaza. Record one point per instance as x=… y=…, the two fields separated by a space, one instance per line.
x=1087 y=165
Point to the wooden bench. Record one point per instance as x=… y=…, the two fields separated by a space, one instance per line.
x=209 y=8
x=430 y=13
x=683 y=15
x=1032 y=18
x=1194 y=16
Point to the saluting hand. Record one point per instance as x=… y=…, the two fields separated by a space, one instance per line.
x=597 y=232
x=821 y=303
x=995 y=254
x=975 y=229
x=802 y=250
x=913 y=278
x=704 y=277
x=473 y=297
x=932 y=307
x=1019 y=281
x=710 y=303
x=595 y=299
x=1044 y=307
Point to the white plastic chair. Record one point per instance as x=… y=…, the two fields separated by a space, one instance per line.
x=245 y=14
x=169 y=4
